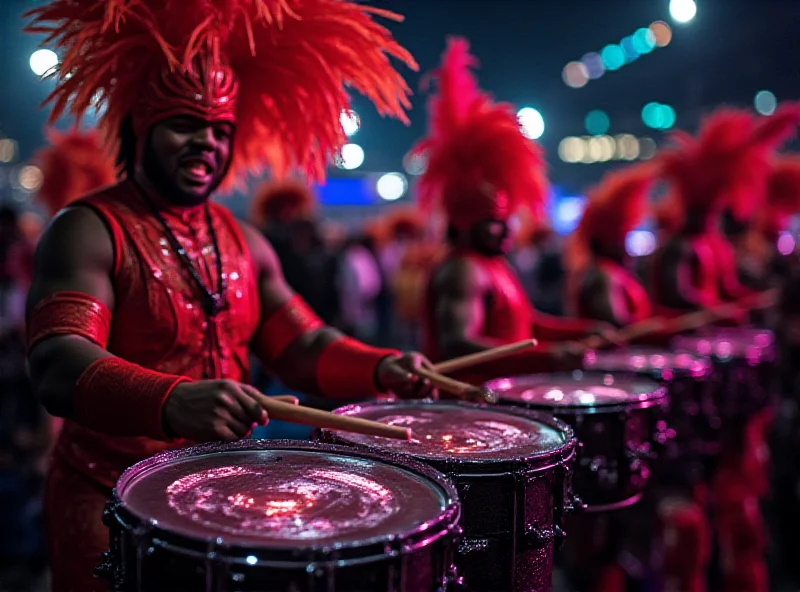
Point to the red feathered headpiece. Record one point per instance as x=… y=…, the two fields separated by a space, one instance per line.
x=279 y=68
x=282 y=201
x=479 y=164
x=73 y=165
x=727 y=164
x=616 y=206
x=783 y=194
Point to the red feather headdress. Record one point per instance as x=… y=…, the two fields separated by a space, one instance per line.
x=727 y=164
x=73 y=165
x=616 y=206
x=783 y=194
x=479 y=164
x=280 y=68
x=281 y=201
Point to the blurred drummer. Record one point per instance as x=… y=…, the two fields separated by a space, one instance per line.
x=601 y=284
x=724 y=168
x=480 y=169
x=148 y=296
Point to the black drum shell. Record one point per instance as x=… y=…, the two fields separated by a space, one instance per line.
x=618 y=443
x=512 y=511
x=146 y=558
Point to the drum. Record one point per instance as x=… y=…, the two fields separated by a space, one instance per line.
x=689 y=455
x=278 y=516
x=619 y=422
x=512 y=470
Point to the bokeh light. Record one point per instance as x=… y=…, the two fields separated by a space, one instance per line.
x=682 y=11
x=594 y=65
x=662 y=33
x=644 y=41
x=629 y=48
x=647 y=148
x=597 y=122
x=350 y=121
x=639 y=243
x=786 y=243
x=604 y=148
x=392 y=186
x=42 y=61
x=415 y=163
x=765 y=102
x=531 y=122
x=627 y=147
x=575 y=75
x=351 y=157
x=30 y=177
x=613 y=57
x=658 y=116
x=8 y=150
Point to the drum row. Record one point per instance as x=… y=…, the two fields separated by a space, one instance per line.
x=476 y=501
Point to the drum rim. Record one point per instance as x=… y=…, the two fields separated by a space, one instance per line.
x=702 y=374
x=538 y=461
x=446 y=520
x=658 y=395
x=750 y=351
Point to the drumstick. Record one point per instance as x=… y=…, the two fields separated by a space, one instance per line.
x=324 y=419
x=462 y=390
x=489 y=355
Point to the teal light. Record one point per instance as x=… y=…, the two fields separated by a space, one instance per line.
x=613 y=57
x=653 y=115
x=667 y=117
x=628 y=48
x=766 y=103
x=597 y=123
x=644 y=41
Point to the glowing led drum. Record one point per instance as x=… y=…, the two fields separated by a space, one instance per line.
x=618 y=421
x=689 y=455
x=278 y=516
x=512 y=469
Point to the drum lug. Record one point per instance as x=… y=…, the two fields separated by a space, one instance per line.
x=539 y=537
x=574 y=504
x=108 y=513
x=106 y=568
x=453 y=582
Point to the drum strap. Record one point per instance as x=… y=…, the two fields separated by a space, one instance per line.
x=69 y=313
x=346 y=369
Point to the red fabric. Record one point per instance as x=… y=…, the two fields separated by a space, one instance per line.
x=276 y=333
x=76 y=535
x=686 y=543
x=282 y=201
x=507 y=318
x=611 y=579
x=69 y=313
x=135 y=409
x=635 y=302
x=346 y=369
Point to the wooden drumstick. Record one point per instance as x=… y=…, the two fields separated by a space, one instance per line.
x=324 y=419
x=489 y=355
x=462 y=390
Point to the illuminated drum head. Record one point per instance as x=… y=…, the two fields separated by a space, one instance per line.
x=729 y=342
x=281 y=497
x=579 y=390
x=660 y=363
x=443 y=431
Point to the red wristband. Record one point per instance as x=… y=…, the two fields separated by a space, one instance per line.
x=123 y=399
x=69 y=313
x=276 y=333
x=346 y=369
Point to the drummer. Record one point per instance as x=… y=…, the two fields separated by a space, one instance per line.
x=480 y=170
x=148 y=296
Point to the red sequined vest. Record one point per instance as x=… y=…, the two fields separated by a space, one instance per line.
x=508 y=313
x=158 y=318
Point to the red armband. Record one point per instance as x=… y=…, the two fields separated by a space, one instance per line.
x=346 y=369
x=69 y=313
x=276 y=333
x=550 y=328
x=123 y=399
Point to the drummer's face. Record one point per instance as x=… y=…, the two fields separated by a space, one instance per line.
x=491 y=237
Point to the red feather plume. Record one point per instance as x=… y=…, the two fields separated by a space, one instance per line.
x=73 y=165
x=727 y=164
x=282 y=201
x=294 y=60
x=783 y=193
x=475 y=150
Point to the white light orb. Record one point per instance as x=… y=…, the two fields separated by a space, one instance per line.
x=682 y=11
x=350 y=121
x=351 y=158
x=531 y=122
x=640 y=243
x=30 y=177
x=43 y=60
x=392 y=186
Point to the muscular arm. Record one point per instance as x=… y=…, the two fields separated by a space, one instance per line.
x=600 y=299
x=676 y=285
x=75 y=254
x=730 y=287
x=461 y=291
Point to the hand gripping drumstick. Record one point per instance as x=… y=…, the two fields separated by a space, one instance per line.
x=324 y=419
x=462 y=390
x=489 y=355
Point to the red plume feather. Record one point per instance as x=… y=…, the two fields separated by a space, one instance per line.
x=281 y=201
x=727 y=164
x=73 y=165
x=476 y=153
x=294 y=60
x=783 y=193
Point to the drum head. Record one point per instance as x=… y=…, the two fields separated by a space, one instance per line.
x=462 y=432
x=283 y=495
x=729 y=342
x=585 y=391
x=661 y=364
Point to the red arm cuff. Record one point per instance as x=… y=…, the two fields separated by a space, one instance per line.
x=346 y=369
x=69 y=313
x=550 y=328
x=123 y=399
x=276 y=333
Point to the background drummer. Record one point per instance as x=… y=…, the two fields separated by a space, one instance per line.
x=147 y=296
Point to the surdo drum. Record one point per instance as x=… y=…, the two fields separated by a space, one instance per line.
x=280 y=516
x=619 y=422
x=512 y=470
x=689 y=455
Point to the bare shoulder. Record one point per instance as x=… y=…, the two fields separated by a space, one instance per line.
x=459 y=276
x=261 y=251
